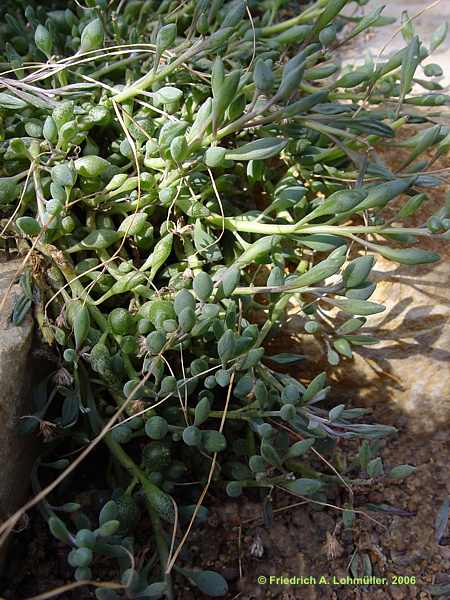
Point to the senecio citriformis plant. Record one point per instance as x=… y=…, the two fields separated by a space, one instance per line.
x=176 y=174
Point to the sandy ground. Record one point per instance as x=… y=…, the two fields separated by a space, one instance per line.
x=430 y=15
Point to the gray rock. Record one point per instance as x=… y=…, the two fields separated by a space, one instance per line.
x=16 y=452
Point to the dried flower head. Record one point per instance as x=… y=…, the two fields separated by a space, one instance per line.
x=137 y=406
x=60 y=320
x=47 y=430
x=62 y=377
x=257 y=547
x=332 y=547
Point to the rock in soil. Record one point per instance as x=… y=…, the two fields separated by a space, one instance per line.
x=16 y=452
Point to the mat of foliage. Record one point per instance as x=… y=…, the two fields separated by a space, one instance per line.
x=175 y=174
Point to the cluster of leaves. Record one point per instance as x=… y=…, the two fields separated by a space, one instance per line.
x=179 y=173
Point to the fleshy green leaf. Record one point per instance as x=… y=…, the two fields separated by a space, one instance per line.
x=10 y=102
x=257 y=150
x=208 y=582
x=441 y=523
x=59 y=530
x=375 y=467
x=286 y=358
x=406 y=256
x=134 y=224
x=356 y=307
x=438 y=36
x=401 y=471
x=303 y=487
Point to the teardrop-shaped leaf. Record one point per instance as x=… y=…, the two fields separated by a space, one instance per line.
x=21 y=307
x=166 y=37
x=92 y=36
x=438 y=36
x=29 y=225
x=134 y=224
x=205 y=244
x=322 y=242
x=99 y=239
x=160 y=254
x=109 y=512
x=304 y=486
x=154 y=591
x=108 y=528
x=357 y=271
x=202 y=120
x=339 y=202
x=229 y=281
x=375 y=467
x=202 y=286
x=263 y=76
x=226 y=346
x=258 y=150
x=269 y=453
x=350 y=326
x=104 y=594
x=10 y=102
x=410 y=62
x=81 y=324
x=59 y=530
x=356 y=307
x=202 y=411
x=209 y=582
x=299 y=448
x=286 y=358
x=407 y=26
x=406 y=256
x=290 y=81
x=336 y=412
x=224 y=97
x=366 y=22
x=167 y=94
x=342 y=346
x=258 y=251
x=425 y=140
x=314 y=387
x=362 y=340
x=441 y=522
x=379 y=195
x=363 y=291
x=331 y=10
x=91 y=166
x=401 y=471
x=70 y=409
x=322 y=270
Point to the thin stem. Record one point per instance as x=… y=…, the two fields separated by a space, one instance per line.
x=234 y=224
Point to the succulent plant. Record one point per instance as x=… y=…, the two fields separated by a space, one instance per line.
x=184 y=171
